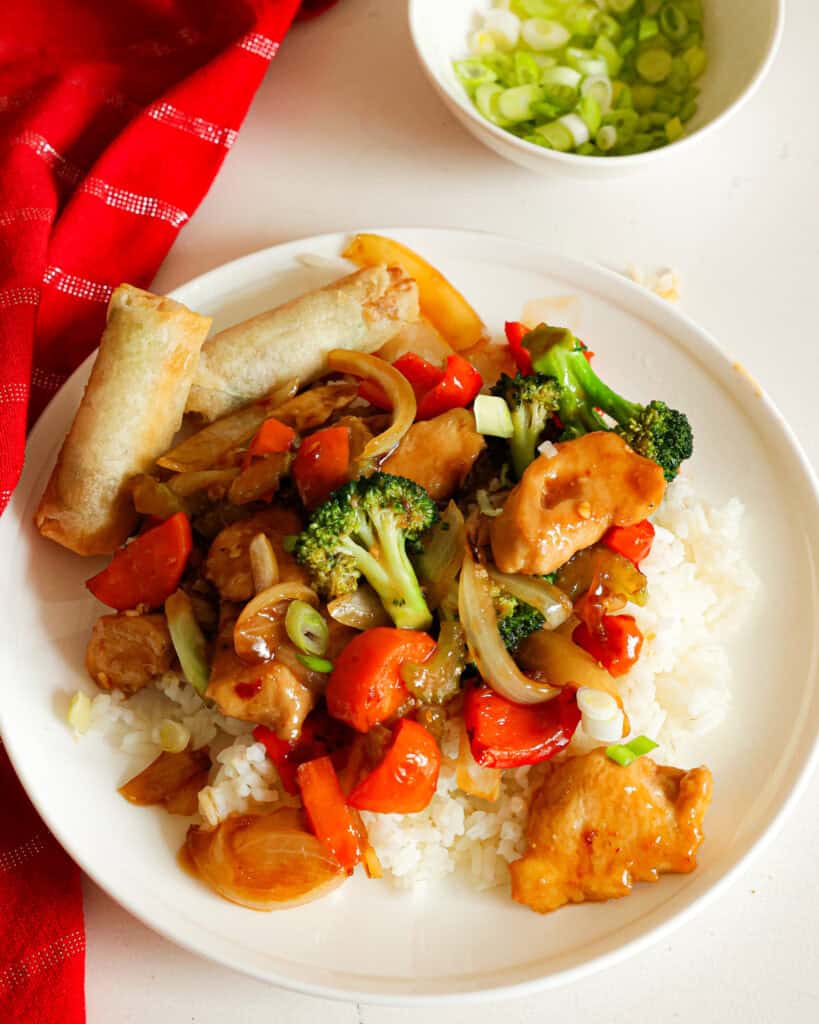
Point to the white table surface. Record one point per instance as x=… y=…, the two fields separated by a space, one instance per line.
x=347 y=133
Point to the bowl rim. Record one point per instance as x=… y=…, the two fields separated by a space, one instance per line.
x=706 y=343
x=576 y=160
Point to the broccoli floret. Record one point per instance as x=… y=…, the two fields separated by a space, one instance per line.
x=532 y=401
x=655 y=431
x=516 y=620
x=363 y=529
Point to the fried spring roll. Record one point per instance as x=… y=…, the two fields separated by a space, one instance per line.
x=245 y=362
x=131 y=409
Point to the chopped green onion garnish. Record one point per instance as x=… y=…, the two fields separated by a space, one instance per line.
x=492 y=416
x=624 y=753
x=79 y=712
x=306 y=628
x=552 y=72
x=641 y=745
x=314 y=663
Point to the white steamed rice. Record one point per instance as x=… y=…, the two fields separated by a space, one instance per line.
x=699 y=589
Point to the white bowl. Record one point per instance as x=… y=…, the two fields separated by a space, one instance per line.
x=367 y=941
x=741 y=37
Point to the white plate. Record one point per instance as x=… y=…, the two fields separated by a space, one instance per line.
x=368 y=941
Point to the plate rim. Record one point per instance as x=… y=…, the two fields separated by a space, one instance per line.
x=552 y=261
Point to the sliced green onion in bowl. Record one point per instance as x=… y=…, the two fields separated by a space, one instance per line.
x=589 y=109
x=541 y=34
x=556 y=136
x=561 y=75
x=481 y=43
x=503 y=26
x=601 y=89
x=314 y=663
x=610 y=54
x=472 y=72
x=673 y=22
x=492 y=416
x=515 y=104
x=577 y=127
x=487 y=98
x=654 y=65
x=527 y=69
x=307 y=628
x=586 y=61
x=606 y=137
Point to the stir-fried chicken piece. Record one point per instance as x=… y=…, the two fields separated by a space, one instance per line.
x=567 y=501
x=438 y=453
x=126 y=652
x=595 y=828
x=228 y=561
x=278 y=692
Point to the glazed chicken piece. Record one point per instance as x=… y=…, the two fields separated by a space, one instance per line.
x=126 y=652
x=228 y=561
x=279 y=692
x=438 y=453
x=566 y=502
x=595 y=828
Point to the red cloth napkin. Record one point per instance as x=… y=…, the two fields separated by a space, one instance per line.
x=115 y=115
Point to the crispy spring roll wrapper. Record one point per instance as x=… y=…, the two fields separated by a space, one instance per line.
x=132 y=407
x=247 y=361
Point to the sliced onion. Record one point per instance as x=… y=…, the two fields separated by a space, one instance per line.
x=264 y=566
x=166 y=775
x=470 y=777
x=397 y=389
x=440 y=561
x=184 y=484
x=360 y=609
x=204 y=448
x=264 y=861
x=549 y=600
x=257 y=631
x=495 y=664
x=555 y=657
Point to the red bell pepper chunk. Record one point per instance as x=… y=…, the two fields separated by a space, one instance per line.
x=616 y=646
x=272 y=438
x=147 y=570
x=633 y=542
x=515 y=332
x=421 y=374
x=404 y=781
x=503 y=734
x=322 y=464
x=320 y=736
x=330 y=818
x=365 y=686
x=458 y=387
